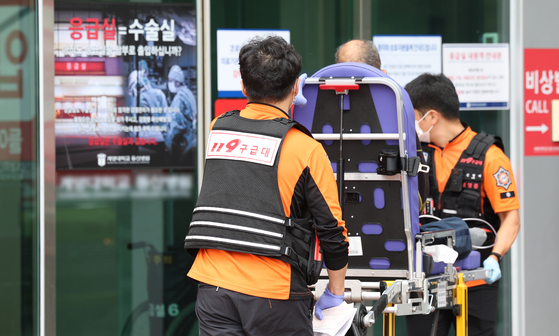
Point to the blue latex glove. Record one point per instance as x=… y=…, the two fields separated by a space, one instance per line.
x=492 y=264
x=327 y=300
x=300 y=100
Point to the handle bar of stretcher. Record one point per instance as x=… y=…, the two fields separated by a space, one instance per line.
x=380 y=306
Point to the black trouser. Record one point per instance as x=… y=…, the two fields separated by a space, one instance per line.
x=224 y=312
x=482 y=315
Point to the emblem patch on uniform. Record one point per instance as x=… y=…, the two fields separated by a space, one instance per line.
x=507 y=194
x=240 y=146
x=425 y=156
x=502 y=176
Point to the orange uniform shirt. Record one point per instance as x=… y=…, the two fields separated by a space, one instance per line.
x=305 y=179
x=498 y=179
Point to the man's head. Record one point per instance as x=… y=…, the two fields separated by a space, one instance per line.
x=436 y=108
x=360 y=51
x=269 y=69
x=434 y=92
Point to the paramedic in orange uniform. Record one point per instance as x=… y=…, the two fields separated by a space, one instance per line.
x=467 y=181
x=246 y=293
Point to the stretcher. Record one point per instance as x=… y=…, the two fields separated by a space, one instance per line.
x=366 y=124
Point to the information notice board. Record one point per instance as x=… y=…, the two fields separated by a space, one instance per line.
x=125 y=85
x=481 y=74
x=405 y=57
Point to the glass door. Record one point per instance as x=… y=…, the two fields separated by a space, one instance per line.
x=126 y=125
x=19 y=243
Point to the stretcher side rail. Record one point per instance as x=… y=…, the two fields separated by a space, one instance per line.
x=342 y=85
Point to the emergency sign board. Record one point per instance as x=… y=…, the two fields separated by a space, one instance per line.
x=125 y=85
x=541 y=102
x=229 y=43
x=480 y=72
x=406 y=57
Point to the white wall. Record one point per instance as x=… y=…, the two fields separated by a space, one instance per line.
x=540 y=194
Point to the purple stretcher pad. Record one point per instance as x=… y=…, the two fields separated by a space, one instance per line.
x=385 y=103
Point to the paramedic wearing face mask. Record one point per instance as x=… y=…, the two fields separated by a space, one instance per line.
x=470 y=177
x=181 y=137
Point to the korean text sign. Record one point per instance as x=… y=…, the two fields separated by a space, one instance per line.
x=541 y=93
x=229 y=43
x=125 y=86
x=406 y=57
x=480 y=73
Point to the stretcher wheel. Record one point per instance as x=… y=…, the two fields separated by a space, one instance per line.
x=357 y=326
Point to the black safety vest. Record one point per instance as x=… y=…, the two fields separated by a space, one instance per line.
x=462 y=194
x=239 y=208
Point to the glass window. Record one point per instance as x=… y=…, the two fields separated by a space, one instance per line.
x=18 y=168
x=456 y=22
x=319 y=27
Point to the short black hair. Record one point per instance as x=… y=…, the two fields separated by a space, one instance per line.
x=434 y=92
x=269 y=68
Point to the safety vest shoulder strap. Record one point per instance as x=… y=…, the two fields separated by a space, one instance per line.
x=294 y=124
x=481 y=143
x=284 y=121
x=229 y=113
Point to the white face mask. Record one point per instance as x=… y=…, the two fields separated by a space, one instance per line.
x=172 y=87
x=423 y=136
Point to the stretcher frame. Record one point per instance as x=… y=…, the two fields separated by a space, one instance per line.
x=393 y=298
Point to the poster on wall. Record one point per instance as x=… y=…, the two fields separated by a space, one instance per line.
x=229 y=43
x=405 y=57
x=480 y=72
x=541 y=102
x=125 y=85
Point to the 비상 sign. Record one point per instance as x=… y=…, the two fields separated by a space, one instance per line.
x=541 y=94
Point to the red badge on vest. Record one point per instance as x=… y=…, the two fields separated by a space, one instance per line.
x=502 y=176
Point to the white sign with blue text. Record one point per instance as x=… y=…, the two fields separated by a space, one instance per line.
x=480 y=73
x=229 y=43
x=405 y=57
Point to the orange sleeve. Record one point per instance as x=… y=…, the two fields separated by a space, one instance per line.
x=498 y=181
